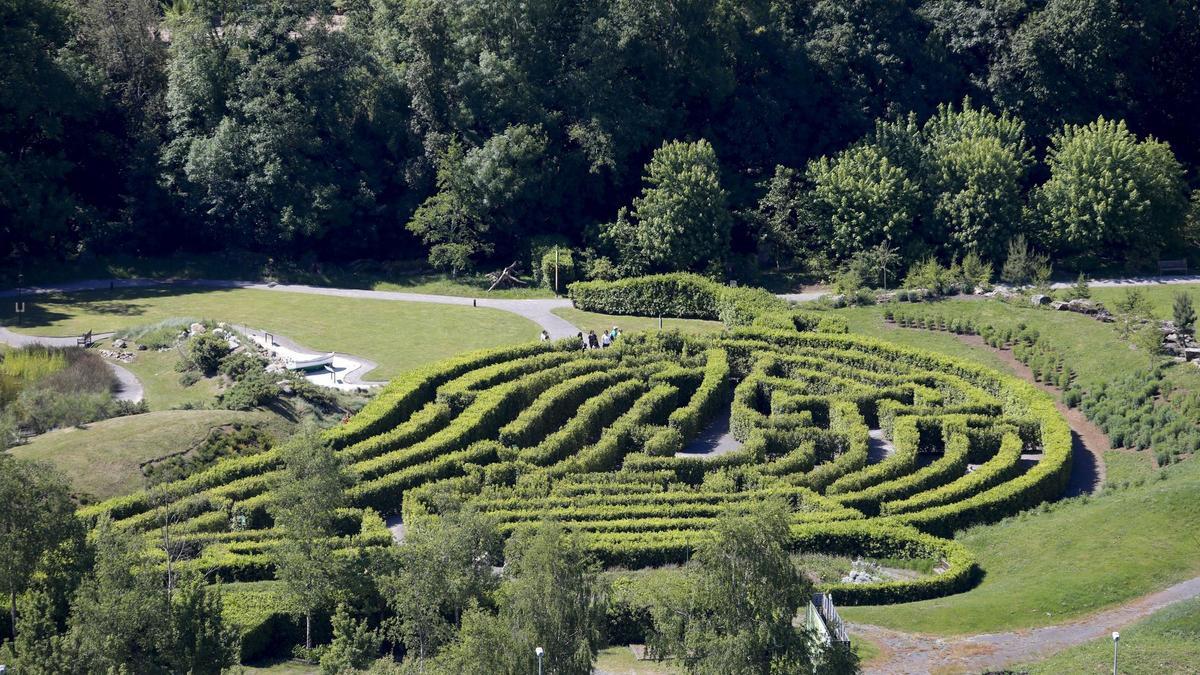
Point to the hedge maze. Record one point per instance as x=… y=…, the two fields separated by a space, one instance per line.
x=590 y=438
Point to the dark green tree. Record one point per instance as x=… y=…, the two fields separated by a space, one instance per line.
x=355 y=644
x=37 y=517
x=1184 y=313
x=681 y=221
x=743 y=592
x=551 y=597
x=310 y=490
x=443 y=568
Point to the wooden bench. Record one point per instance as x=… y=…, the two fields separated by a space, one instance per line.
x=1175 y=266
x=84 y=340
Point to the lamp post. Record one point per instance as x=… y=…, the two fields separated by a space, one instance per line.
x=540 y=652
x=1116 y=638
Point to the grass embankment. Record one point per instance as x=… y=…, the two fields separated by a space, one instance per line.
x=1075 y=557
x=396 y=335
x=586 y=321
x=160 y=381
x=103 y=460
x=1166 y=642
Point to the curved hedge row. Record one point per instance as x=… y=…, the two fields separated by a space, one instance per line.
x=595 y=439
x=690 y=296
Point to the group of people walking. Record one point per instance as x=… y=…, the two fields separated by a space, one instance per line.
x=605 y=339
x=591 y=340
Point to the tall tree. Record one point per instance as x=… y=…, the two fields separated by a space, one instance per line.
x=1111 y=196
x=681 y=221
x=976 y=164
x=47 y=130
x=443 y=568
x=310 y=490
x=743 y=591
x=124 y=616
x=37 y=517
x=552 y=597
x=866 y=199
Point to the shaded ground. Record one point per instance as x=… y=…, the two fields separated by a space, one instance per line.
x=878 y=447
x=714 y=441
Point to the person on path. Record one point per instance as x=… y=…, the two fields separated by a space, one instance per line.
x=582 y=339
x=545 y=335
x=605 y=339
x=593 y=341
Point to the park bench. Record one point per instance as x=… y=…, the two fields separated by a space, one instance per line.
x=1175 y=266
x=84 y=340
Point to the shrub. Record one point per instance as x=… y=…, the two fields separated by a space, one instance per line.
x=238 y=365
x=566 y=268
x=205 y=352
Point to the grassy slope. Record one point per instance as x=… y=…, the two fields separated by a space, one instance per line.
x=102 y=460
x=163 y=391
x=1079 y=556
x=396 y=335
x=1166 y=642
x=600 y=322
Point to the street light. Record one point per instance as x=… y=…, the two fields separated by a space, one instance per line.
x=539 y=651
x=1116 y=637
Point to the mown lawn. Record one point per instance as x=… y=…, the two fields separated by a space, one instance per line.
x=1103 y=353
x=102 y=460
x=1056 y=563
x=1166 y=642
x=630 y=324
x=1161 y=297
x=160 y=380
x=396 y=335
x=1074 y=557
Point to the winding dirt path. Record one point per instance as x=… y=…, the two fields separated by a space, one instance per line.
x=918 y=653
x=1089 y=441
x=921 y=653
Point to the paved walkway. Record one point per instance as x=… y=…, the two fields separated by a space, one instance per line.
x=714 y=441
x=916 y=653
x=129 y=387
x=349 y=368
x=879 y=447
x=540 y=311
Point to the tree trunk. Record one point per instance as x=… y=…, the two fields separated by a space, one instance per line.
x=308 y=630
x=12 y=612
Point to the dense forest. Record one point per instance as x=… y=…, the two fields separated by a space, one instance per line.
x=651 y=135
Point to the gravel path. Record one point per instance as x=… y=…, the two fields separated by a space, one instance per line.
x=129 y=387
x=917 y=653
